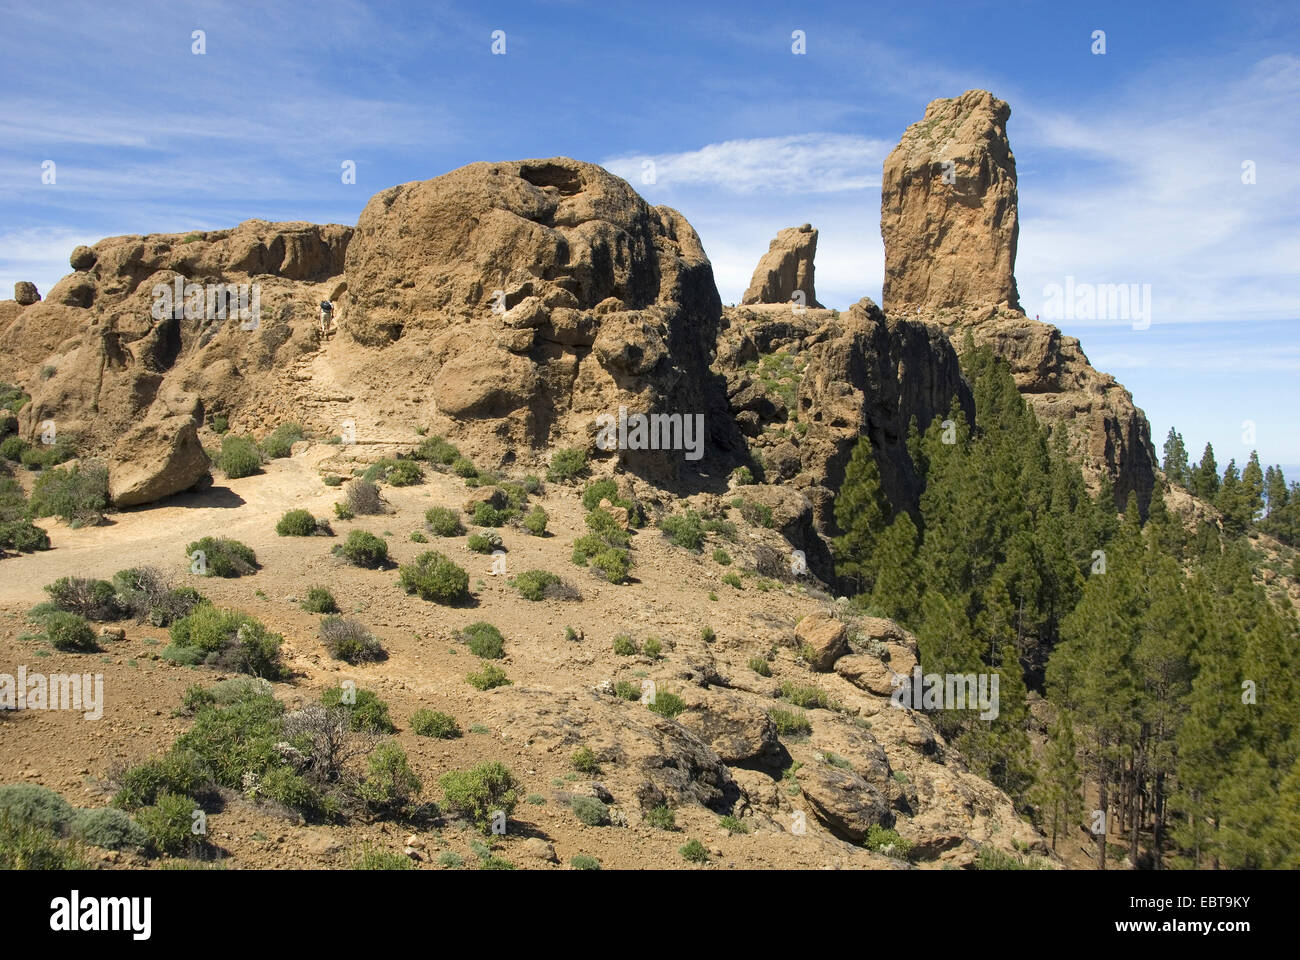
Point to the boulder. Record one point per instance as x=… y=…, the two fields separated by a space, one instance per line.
x=159 y=457
x=26 y=293
x=785 y=269
x=824 y=638
x=82 y=258
x=842 y=801
x=736 y=729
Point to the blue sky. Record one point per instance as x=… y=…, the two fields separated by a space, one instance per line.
x=1130 y=162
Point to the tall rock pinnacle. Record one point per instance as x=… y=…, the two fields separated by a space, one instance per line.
x=787 y=267
x=948 y=209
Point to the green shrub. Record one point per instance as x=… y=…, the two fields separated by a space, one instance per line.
x=320 y=600
x=225 y=639
x=69 y=632
x=296 y=523
x=760 y=666
x=887 y=841
x=804 y=695
x=590 y=811
x=12 y=447
x=733 y=825
x=390 y=782
x=464 y=467
x=721 y=556
x=662 y=818
x=598 y=490
x=350 y=641
x=332 y=480
x=653 y=648
x=366 y=714
x=362 y=498
x=732 y=580
x=443 y=521
x=535 y=521
x=684 y=530
x=239 y=457
x=364 y=549
x=42 y=456
x=612 y=565
x=627 y=690
x=489 y=676
x=372 y=858
x=583 y=862
x=279 y=442
x=235 y=740
x=667 y=705
x=707 y=634
x=343 y=512
x=484 y=640
x=435 y=578
x=108 y=828
x=28 y=847
x=990 y=858
x=167 y=825
x=431 y=723
x=790 y=722
x=12 y=398
x=76 y=494
x=92 y=599
x=567 y=464
x=220 y=424
x=486 y=515
x=477 y=793
x=33 y=805
x=624 y=645
x=222 y=557
x=178 y=771
x=404 y=473
x=742 y=475
x=22 y=535
x=484 y=541
x=584 y=761
x=757 y=514
x=694 y=852
x=436 y=450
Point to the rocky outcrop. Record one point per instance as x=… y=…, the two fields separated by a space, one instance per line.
x=950 y=223
x=541 y=294
x=155 y=459
x=822 y=639
x=948 y=209
x=786 y=269
x=25 y=293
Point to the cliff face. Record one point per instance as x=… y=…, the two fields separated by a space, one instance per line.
x=950 y=226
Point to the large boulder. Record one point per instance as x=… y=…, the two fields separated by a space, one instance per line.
x=948 y=208
x=25 y=293
x=155 y=459
x=844 y=802
x=736 y=729
x=786 y=269
x=823 y=639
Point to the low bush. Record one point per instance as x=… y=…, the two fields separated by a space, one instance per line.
x=624 y=645
x=488 y=677
x=484 y=640
x=350 y=641
x=790 y=722
x=485 y=541
x=390 y=785
x=567 y=464
x=436 y=450
x=584 y=761
x=435 y=578
x=667 y=705
x=760 y=666
x=109 y=828
x=431 y=723
x=367 y=713
x=534 y=584
x=476 y=794
x=92 y=599
x=486 y=515
x=76 y=494
x=298 y=523
x=23 y=536
x=279 y=442
x=167 y=825
x=69 y=632
x=404 y=473
x=148 y=595
x=694 y=852
x=590 y=811
x=320 y=600
x=239 y=457
x=684 y=529
x=362 y=498
x=225 y=639
x=535 y=521
x=443 y=521
x=612 y=565
x=364 y=549
x=221 y=557
x=33 y=805
x=661 y=818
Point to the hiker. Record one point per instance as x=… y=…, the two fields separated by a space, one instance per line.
x=326 y=318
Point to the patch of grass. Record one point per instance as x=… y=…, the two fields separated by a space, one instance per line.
x=684 y=529
x=760 y=666
x=279 y=442
x=667 y=705
x=583 y=862
x=733 y=825
x=653 y=648
x=364 y=549
x=222 y=557
x=376 y=858
x=721 y=556
x=627 y=690
x=756 y=514
x=662 y=818
x=694 y=852
x=990 y=858
x=451 y=860
x=732 y=580
x=485 y=541
x=590 y=811
x=584 y=761
x=804 y=695
x=488 y=677
x=790 y=722
x=435 y=578
x=534 y=584
x=432 y=723
x=625 y=646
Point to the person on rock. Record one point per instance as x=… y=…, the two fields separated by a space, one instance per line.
x=326 y=318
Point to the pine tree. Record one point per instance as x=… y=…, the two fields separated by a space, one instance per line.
x=1175 y=462
x=1058 y=793
x=1231 y=502
x=861 y=512
x=1252 y=482
x=1205 y=478
x=896 y=592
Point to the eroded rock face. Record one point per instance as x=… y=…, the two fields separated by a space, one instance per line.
x=948 y=209
x=785 y=269
x=950 y=224
x=543 y=293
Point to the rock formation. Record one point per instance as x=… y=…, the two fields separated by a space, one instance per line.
x=25 y=293
x=785 y=269
x=949 y=221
